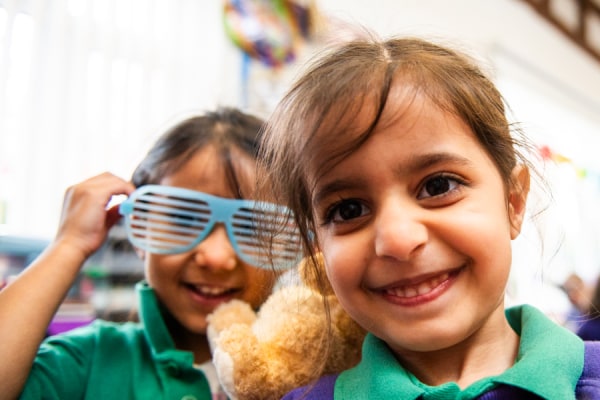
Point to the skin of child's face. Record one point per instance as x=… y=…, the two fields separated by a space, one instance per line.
x=416 y=228
x=192 y=284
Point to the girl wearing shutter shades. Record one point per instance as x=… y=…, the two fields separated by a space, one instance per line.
x=190 y=215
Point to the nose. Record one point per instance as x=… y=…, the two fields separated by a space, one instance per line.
x=400 y=231
x=216 y=252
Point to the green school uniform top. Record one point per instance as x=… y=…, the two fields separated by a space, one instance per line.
x=107 y=360
x=549 y=364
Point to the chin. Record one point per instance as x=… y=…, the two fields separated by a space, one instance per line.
x=424 y=343
x=195 y=326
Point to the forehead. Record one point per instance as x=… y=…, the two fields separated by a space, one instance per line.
x=404 y=149
x=207 y=170
x=415 y=125
x=346 y=127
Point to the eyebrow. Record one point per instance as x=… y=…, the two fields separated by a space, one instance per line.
x=428 y=160
x=412 y=165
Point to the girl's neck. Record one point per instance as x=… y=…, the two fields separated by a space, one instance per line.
x=188 y=341
x=488 y=352
x=194 y=343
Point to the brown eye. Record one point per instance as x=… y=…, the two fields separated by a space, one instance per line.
x=349 y=210
x=346 y=210
x=437 y=186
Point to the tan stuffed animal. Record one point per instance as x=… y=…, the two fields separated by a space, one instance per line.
x=286 y=344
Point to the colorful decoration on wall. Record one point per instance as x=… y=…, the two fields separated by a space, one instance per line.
x=547 y=154
x=271 y=31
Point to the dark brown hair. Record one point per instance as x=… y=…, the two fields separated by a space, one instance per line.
x=315 y=125
x=225 y=128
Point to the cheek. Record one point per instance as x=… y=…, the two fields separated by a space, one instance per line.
x=481 y=224
x=157 y=270
x=259 y=285
x=491 y=251
x=343 y=265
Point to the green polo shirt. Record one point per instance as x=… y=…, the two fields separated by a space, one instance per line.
x=549 y=363
x=106 y=360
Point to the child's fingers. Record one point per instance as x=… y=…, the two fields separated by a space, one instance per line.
x=85 y=220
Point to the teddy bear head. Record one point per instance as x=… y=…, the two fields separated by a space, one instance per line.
x=299 y=334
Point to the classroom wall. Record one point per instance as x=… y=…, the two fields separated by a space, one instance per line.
x=87 y=85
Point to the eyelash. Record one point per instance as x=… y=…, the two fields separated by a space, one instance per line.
x=448 y=178
x=335 y=208
x=453 y=182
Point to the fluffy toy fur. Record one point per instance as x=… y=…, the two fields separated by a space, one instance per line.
x=287 y=344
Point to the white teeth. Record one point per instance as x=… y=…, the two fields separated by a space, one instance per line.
x=418 y=289
x=210 y=291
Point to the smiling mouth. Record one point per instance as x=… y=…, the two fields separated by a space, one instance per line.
x=211 y=291
x=422 y=288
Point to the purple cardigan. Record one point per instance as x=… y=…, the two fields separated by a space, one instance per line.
x=588 y=387
x=590 y=329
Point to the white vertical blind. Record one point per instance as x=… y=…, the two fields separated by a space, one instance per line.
x=86 y=85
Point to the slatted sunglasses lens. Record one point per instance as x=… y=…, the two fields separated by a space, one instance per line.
x=264 y=237
x=167 y=220
x=168 y=224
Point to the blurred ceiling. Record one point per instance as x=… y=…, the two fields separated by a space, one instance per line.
x=579 y=20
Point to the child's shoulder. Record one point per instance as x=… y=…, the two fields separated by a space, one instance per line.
x=99 y=333
x=588 y=386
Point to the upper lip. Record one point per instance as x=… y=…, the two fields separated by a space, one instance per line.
x=416 y=280
x=212 y=289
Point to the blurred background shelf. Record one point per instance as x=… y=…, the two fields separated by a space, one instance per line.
x=103 y=289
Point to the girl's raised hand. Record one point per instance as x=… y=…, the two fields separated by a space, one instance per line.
x=84 y=225
x=85 y=219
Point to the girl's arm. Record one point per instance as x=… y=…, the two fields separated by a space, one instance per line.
x=28 y=304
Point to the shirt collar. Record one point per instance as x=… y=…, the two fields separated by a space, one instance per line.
x=157 y=334
x=544 y=349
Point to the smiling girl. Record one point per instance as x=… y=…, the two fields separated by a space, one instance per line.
x=398 y=161
x=187 y=214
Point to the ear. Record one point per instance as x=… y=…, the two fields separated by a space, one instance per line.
x=517 y=198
